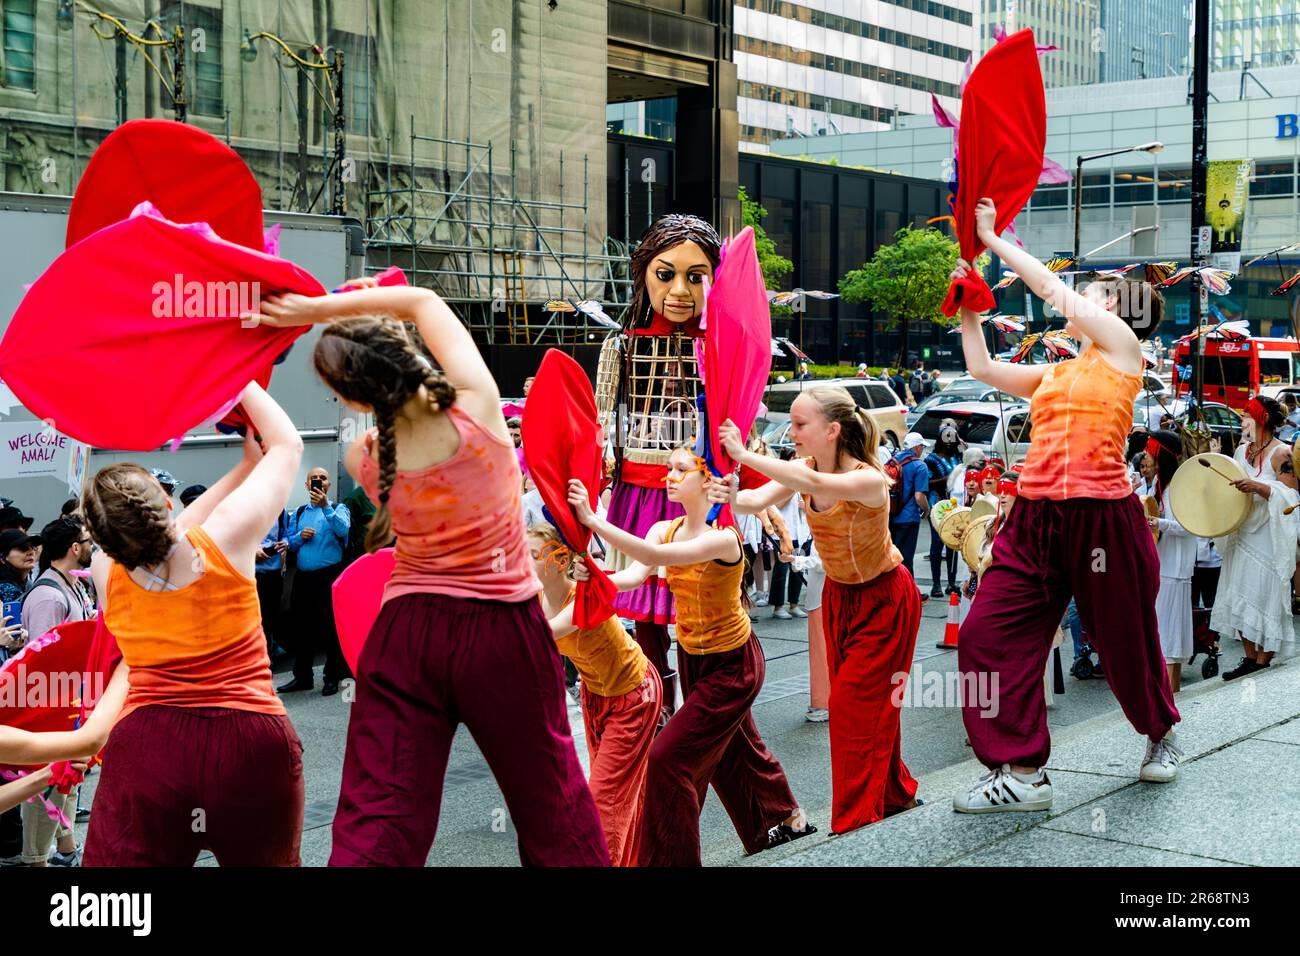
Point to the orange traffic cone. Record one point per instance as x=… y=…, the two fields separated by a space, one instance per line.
x=949 y=641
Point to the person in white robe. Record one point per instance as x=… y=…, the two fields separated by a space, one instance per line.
x=1254 y=599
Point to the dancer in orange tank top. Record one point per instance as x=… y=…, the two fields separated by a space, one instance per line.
x=199 y=722
x=1077 y=530
x=621 y=697
x=461 y=636
x=871 y=605
x=712 y=737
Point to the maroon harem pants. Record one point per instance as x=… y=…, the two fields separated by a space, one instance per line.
x=431 y=662
x=1099 y=551
x=712 y=739
x=870 y=637
x=179 y=780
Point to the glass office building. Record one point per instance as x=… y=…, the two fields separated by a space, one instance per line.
x=820 y=67
x=1143 y=38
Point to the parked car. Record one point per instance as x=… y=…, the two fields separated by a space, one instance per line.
x=997 y=431
x=976 y=392
x=874 y=397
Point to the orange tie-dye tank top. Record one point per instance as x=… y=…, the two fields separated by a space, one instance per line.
x=1080 y=414
x=460 y=523
x=710 y=618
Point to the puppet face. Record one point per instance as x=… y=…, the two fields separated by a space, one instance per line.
x=675 y=280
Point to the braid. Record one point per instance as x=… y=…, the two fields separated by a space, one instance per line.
x=442 y=394
x=126 y=513
x=380 y=532
x=374 y=362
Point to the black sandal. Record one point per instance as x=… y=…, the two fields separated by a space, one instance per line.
x=894 y=813
x=781 y=834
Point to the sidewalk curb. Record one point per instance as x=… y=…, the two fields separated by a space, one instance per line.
x=1091 y=761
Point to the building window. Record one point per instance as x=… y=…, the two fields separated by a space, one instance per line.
x=1273 y=179
x=1134 y=187
x=1054 y=196
x=358 y=70
x=1174 y=185
x=1096 y=189
x=20 y=44
x=203 y=67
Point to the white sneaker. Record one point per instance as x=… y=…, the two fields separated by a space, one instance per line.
x=781 y=614
x=817 y=715
x=1160 y=765
x=1000 y=790
x=797 y=611
x=761 y=601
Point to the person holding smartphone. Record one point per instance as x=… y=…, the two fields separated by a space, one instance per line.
x=318 y=537
x=18 y=553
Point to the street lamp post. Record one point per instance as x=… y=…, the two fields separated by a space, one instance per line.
x=1078 y=181
x=121 y=36
x=334 y=70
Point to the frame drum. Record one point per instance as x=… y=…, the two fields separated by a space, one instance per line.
x=974 y=548
x=940 y=511
x=1152 y=508
x=1204 y=501
x=953 y=526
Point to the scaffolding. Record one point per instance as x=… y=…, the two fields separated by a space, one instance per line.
x=518 y=270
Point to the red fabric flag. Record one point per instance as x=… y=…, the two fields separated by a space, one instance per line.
x=358 y=598
x=189 y=175
x=41 y=687
x=561 y=435
x=1000 y=152
x=737 y=348
x=117 y=310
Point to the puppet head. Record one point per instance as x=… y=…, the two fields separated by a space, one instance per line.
x=674 y=260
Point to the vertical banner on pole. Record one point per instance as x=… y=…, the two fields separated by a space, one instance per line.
x=1227 y=183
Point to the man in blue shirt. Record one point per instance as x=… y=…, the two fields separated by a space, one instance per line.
x=913 y=491
x=318 y=533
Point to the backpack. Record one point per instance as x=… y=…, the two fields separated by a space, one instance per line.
x=894 y=471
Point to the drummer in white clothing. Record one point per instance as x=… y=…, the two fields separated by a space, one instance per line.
x=1177 y=550
x=1254 y=600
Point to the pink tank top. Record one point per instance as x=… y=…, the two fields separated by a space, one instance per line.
x=460 y=523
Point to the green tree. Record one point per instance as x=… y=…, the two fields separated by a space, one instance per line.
x=773 y=265
x=906 y=281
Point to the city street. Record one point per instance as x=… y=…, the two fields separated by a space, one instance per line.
x=1094 y=764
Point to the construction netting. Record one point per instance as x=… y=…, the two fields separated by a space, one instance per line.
x=474 y=145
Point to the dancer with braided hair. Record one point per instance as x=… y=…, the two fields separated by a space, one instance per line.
x=461 y=636
x=201 y=728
